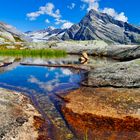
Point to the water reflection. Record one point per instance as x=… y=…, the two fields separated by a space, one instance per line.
x=41 y=79
x=39 y=83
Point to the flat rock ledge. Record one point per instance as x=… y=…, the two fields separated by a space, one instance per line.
x=120 y=75
x=103 y=113
x=19 y=120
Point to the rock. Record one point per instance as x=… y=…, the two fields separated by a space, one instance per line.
x=7 y=36
x=1 y=64
x=10 y=47
x=84 y=58
x=10 y=33
x=121 y=74
x=18 y=117
x=124 y=52
x=103 y=113
x=77 y=47
x=84 y=54
x=21 y=120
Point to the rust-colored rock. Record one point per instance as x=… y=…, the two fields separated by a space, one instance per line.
x=104 y=113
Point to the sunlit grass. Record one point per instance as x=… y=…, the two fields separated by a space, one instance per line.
x=33 y=53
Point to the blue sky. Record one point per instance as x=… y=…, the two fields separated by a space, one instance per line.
x=38 y=14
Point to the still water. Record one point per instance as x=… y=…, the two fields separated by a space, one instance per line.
x=40 y=83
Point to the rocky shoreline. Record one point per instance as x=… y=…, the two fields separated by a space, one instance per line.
x=20 y=120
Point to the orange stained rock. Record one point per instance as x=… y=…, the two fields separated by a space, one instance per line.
x=103 y=113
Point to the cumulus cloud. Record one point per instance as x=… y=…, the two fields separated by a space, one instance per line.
x=72 y=6
x=59 y=21
x=47 y=86
x=48 y=9
x=47 y=21
x=82 y=7
x=33 y=15
x=118 y=16
x=67 y=25
x=66 y=72
x=92 y=4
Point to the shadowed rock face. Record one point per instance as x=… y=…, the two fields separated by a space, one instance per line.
x=103 y=113
x=97 y=25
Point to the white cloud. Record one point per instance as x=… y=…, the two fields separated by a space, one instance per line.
x=122 y=17
x=72 y=6
x=48 y=9
x=47 y=21
x=82 y=7
x=92 y=4
x=33 y=15
x=66 y=71
x=66 y=25
x=118 y=16
x=59 y=21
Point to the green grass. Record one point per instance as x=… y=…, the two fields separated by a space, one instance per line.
x=86 y=135
x=47 y=53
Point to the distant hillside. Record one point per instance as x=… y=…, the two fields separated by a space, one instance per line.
x=46 y=34
x=10 y=34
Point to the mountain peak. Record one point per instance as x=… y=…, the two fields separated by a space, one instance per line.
x=101 y=26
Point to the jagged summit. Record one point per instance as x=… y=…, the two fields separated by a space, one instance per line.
x=97 y=25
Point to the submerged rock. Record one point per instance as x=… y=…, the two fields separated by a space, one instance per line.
x=103 y=113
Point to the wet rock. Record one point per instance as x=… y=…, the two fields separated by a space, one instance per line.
x=103 y=113
x=21 y=120
x=122 y=74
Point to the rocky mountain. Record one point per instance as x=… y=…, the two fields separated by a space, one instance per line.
x=10 y=34
x=94 y=26
x=101 y=26
x=47 y=34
